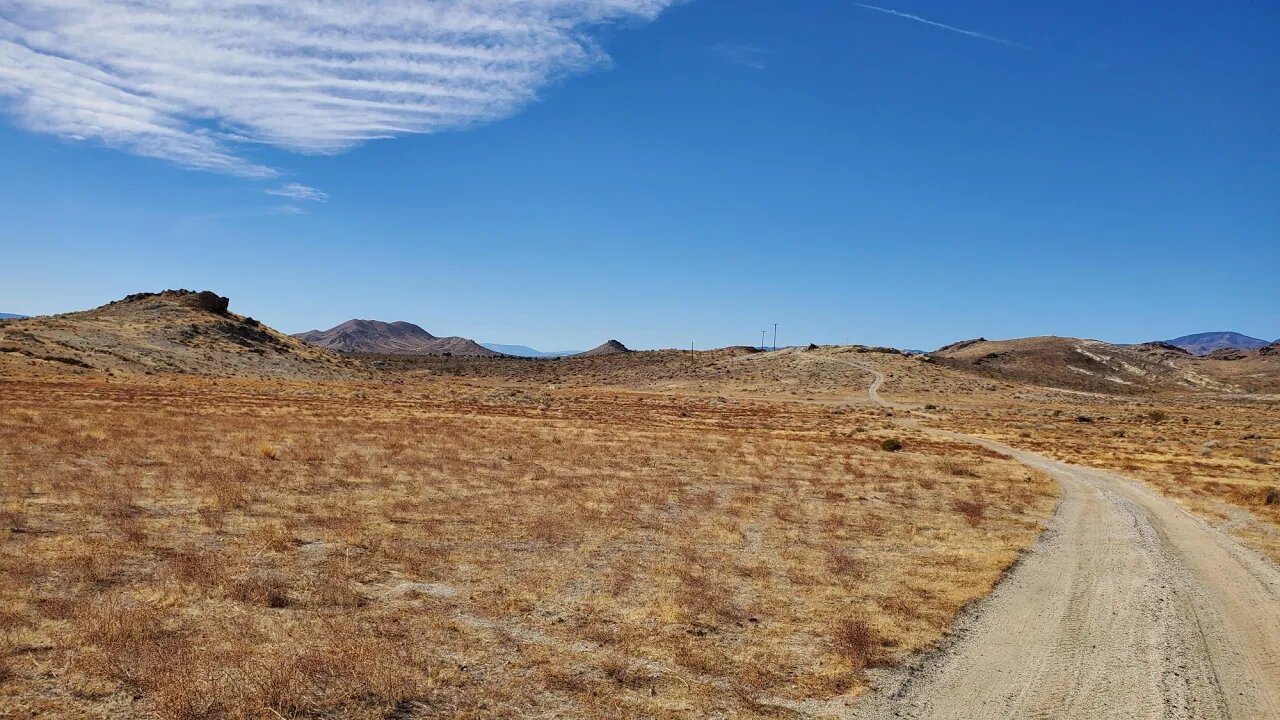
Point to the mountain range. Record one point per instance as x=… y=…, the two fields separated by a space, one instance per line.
x=11 y=316
x=405 y=338
x=526 y=351
x=186 y=332
x=1207 y=342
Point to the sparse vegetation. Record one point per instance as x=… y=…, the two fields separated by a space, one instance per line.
x=642 y=534
x=247 y=549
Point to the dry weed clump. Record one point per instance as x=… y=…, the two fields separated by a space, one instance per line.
x=855 y=640
x=955 y=467
x=972 y=510
x=445 y=547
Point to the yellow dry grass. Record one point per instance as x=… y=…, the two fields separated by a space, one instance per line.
x=188 y=548
x=1218 y=457
x=1216 y=453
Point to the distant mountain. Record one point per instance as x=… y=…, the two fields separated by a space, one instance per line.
x=11 y=316
x=394 y=338
x=612 y=347
x=1205 y=343
x=526 y=351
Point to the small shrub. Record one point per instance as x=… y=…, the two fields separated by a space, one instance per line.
x=891 y=445
x=846 y=566
x=626 y=673
x=266 y=451
x=1272 y=497
x=266 y=589
x=1084 y=419
x=856 y=641
x=1156 y=416
x=955 y=467
x=973 y=510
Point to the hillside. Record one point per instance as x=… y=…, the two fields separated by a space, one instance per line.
x=394 y=338
x=1208 y=342
x=609 y=347
x=1095 y=366
x=175 y=331
x=11 y=316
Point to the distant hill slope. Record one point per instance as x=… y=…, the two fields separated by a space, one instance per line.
x=1094 y=366
x=610 y=347
x=394 y=338
x=11 y=316
x=1205 y=343
x=175 y=331
x=526 y=351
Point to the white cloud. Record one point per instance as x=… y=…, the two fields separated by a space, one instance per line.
x=298 y=191
x=196 y=81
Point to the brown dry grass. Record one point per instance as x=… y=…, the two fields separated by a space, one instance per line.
x=1211 y=454
x=187 y=548
x=1216 y=453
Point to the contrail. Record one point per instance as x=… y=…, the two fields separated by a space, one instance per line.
x=952 y=28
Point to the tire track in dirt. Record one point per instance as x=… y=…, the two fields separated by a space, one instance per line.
x=1127 y=606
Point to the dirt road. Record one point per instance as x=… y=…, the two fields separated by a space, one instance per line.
x=1127 y=607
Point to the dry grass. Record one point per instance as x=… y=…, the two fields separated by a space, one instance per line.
x=1213 y=452
x=242 y=549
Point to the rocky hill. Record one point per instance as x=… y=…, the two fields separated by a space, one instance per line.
x=610 y=347
x=1095 y=366
x=175 y=331
x=394 y=338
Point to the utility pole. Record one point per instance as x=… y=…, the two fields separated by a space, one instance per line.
x=762 y=345
x=775 y=337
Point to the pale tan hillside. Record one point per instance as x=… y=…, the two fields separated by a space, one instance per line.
x=1095 y=366
x=171 y=332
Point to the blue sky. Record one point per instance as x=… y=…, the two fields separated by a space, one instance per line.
x=658 y=172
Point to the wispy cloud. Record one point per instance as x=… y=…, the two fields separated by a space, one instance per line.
x=197 y=82
x=748 y=56
x=952 y=28
x=298 y=191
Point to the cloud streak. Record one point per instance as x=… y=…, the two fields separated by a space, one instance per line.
x=201 y=82
x=748 y=56
x=952 y=28
x=298 y=191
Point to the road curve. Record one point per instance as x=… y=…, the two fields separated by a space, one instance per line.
x=1128 y=606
